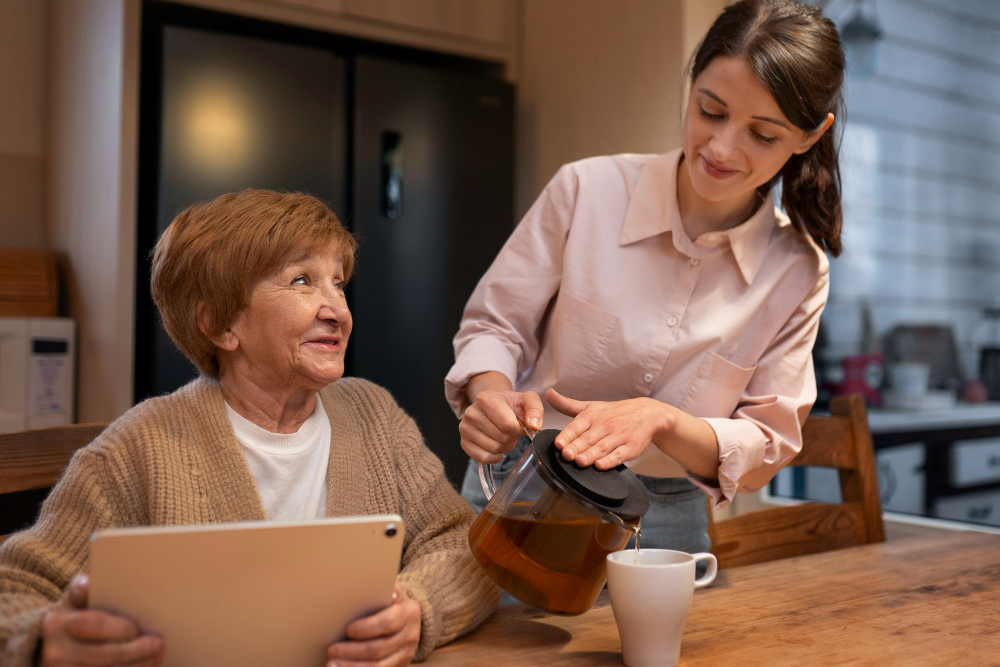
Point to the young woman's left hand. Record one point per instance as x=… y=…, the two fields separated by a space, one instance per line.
x=605 y=434
x=386 y=638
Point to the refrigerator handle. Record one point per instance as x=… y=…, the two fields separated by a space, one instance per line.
x=392 y=174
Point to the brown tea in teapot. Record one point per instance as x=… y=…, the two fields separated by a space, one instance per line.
x=544 y=559
x=546 y=532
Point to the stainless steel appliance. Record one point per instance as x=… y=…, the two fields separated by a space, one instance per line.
x=412 y=150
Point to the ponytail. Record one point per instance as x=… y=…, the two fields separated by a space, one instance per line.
x=796 y=54
x=810 y=193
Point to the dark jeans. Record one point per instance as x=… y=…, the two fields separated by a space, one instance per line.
x=677 y=517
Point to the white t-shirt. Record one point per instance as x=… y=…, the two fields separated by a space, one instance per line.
x=289 y=468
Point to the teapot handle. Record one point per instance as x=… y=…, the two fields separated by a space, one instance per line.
x=486 y=479
x=486 y=472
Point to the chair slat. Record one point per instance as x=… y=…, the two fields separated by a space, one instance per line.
x=34 y=459
x=782 y=532
x=861 y=484
x=823 y=441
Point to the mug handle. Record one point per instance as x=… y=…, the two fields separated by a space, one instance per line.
x=713 y=569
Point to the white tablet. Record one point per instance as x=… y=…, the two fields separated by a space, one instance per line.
x=248 y=594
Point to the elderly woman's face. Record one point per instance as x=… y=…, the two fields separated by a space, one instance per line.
x=295 y=328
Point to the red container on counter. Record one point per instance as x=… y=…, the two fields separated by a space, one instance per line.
x=858 y=374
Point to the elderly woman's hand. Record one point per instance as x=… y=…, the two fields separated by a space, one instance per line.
x=75 y=635
x=387 y=638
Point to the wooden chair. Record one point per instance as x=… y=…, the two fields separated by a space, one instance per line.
x=840 y=441
x=34 y=459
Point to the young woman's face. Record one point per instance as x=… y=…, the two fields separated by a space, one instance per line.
x=735 y=137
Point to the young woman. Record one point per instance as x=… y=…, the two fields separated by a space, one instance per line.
x=663 y=305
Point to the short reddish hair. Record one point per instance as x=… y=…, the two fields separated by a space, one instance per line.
x=213 y=252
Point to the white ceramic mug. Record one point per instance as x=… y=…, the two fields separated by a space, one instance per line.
x=910 y=379
x=651 y=593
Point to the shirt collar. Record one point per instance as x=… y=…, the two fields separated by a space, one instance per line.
x=749 y=240
x=653 y=210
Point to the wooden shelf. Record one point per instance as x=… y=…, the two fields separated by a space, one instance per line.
x=28 y=283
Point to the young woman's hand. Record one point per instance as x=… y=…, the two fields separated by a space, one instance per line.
x=385 y=639
x=605 y=434
x=490 y=425
x=75 y=635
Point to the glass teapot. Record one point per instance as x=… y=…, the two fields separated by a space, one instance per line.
x=545 y=533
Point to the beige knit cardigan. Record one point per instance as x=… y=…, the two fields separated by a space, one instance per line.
x=174 y=460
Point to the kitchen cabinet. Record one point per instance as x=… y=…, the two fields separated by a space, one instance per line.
x=975 y=462
x=900 y=473
x=482 y=20
x=943 y=464
x=333 y=6
x=482 y=29
x=961 y=469
x=983 y=507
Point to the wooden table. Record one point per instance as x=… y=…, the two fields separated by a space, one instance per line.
x=917 y=601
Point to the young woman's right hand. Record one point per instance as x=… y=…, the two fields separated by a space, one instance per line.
x=490 y=427
x=75 y=635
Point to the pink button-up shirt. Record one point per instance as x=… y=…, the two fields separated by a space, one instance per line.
x=600 y=293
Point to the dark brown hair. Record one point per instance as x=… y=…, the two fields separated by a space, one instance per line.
x=796 y=54
x=213 y=252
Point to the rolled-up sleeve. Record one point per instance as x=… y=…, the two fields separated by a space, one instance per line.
x=765 y=431
x=499 y=326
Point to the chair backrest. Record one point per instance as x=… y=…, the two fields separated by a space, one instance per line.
x=34 y=459
x=840 y=441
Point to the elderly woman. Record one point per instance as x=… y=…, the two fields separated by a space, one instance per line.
x=250 y=287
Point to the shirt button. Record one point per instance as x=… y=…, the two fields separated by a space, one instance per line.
x=695 y=261
x=648 y=377
x=672 y=321
x=711 y=237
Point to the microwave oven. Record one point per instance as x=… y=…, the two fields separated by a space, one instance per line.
x=37 y=372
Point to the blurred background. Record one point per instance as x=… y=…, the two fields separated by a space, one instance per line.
x=429 y=126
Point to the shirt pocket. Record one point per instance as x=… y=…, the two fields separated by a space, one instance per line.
x=579 y=335
x=717 y=388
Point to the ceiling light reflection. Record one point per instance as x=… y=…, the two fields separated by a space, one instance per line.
x=217 y=130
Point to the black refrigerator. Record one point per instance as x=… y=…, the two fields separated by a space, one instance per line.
x=413 y=152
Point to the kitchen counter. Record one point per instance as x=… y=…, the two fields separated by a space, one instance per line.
x=963 y=415
x=942 y=464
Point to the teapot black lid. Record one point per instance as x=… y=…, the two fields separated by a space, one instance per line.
x=616 y=490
